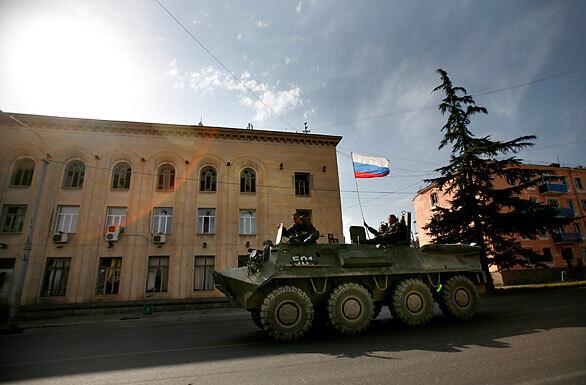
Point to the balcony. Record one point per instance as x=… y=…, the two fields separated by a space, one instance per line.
x=567 y=212
x=567 y=238
x=553 y=188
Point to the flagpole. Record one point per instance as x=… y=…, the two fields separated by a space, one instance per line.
x=358 y=193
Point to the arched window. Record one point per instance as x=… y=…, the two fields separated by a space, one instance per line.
x=121 y=176
x=247 y=180
x=23 y=172
x=74 y=173
x=207 y=180
x=166 y=177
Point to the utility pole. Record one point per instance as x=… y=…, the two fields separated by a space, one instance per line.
x=12 y=325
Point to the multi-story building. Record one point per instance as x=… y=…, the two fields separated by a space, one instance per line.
x=132 y=210
x=567 y=192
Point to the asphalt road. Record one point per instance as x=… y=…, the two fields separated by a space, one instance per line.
x=536 y=337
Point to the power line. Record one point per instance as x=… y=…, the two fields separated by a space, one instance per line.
x=223 y=65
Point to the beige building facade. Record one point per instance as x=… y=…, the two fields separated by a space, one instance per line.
x=143 y=210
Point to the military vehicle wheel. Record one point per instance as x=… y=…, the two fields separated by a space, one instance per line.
x=459 y=299
x=286 y=313
x=350 y=308
x=412 y=303
x=378 y=307
x=255 y=314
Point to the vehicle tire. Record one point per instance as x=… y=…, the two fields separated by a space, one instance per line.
x=459 y=299
x=255 y=314
x=286 y=313
x=412 y=303
x=350 y=308
x=378 y=307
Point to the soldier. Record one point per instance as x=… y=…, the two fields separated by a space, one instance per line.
x=302 y=231
x=387 y=233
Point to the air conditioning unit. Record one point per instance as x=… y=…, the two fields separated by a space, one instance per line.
x=159 y=238
x=112 y=233
x=60 y=238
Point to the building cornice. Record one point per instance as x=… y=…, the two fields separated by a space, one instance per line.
x=44 y=122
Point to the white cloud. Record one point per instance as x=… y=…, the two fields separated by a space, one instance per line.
x=272 y=100
x=299 y=7
x=239 y=36
x=309 y=113
x=261 y=24
x=177 y=77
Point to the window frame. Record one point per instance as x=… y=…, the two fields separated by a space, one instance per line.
x=161 y=269
x=208 y=182
x=247 y=222
x=121 y=176
x=248 y=181
x=6 y=267
x=201 y=220
x=578 y=183
x=299 y=189
x=47 y=288
x=166 y=217
x=72 y=222
x=434 y=199
x=206 y=283
x=119 y=218
x=76 y=176
x=4 y=216
x=109 y=271
x=166 y=181
x=22 y=174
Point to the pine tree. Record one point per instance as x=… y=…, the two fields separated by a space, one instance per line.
x=492 y=218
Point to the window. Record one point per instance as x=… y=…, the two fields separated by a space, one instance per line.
x=207 y=180
x=202 y=278
x=74 y=173
x=305 y=213
x=163 y=220
x=13 y=218
x=583 y=204
x=583 y=252
x=247 y=181
x=577 y=228
x=116 y=216
x=6 y=272
x=121 y=176
x=242 y=260
x=247 y=222
x=109 y=276
x=578 y=183
x=56 y=274
x=563 y=181
x=158 y=275
x=433 y=198
x=302 y=183
x=166 y=177
x=547 y=257
x=533 y=199
x=552 y=202
x=570 y=204
x=23 y=172
x=66 y=219
x=206 y=221
x=511 y=180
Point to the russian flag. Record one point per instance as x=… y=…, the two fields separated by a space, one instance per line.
x=369 y=166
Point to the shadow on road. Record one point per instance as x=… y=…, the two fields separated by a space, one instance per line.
x=107 y=348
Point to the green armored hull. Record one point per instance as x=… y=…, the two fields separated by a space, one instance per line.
x=290 y=288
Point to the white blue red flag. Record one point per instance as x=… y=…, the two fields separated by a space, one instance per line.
x=370 y=166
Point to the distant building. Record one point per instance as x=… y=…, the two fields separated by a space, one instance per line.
x=146 y=210
x=568 y=193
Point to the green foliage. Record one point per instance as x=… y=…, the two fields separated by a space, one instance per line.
x=493 y=218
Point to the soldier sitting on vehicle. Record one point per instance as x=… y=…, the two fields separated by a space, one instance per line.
x=388 y=233
x=301 y=232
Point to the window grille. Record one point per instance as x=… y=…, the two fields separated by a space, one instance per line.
x=56 y=275
x=202 y=279
x=121 y=176
x=66 y=219
x=74 y=174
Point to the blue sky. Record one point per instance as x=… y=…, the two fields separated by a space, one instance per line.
x=338 y=65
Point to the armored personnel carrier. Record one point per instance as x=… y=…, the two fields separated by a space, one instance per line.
x=289 y=288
